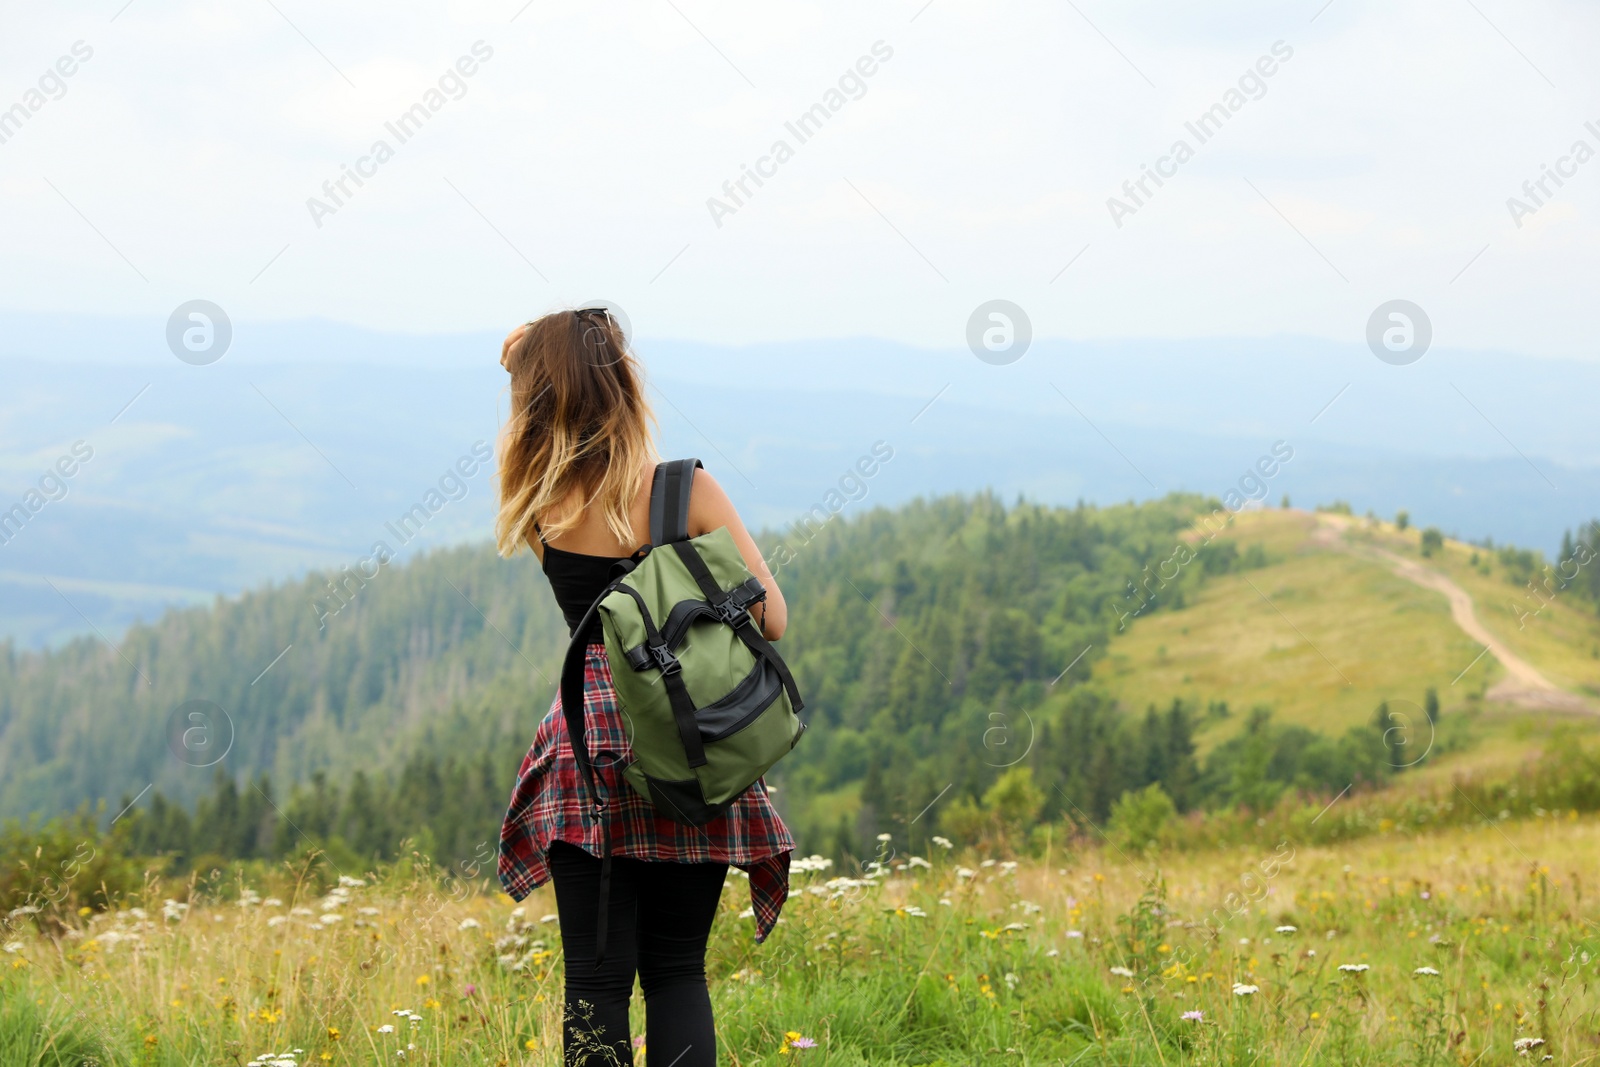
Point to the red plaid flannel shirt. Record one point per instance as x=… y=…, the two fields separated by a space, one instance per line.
x=548 y=805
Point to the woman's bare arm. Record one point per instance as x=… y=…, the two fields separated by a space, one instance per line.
x=709 y=509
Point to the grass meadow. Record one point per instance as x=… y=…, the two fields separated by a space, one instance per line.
x=1469 y=945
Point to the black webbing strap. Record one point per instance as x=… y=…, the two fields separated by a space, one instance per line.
x=669 y=500
x=572 y=712
x=672 y=676
x=742 y=623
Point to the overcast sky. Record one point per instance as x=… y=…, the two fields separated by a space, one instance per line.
x=974 y=162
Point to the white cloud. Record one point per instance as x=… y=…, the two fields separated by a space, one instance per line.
x=990 y=140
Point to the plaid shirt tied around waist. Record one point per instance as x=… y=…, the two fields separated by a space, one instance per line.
x=549 y=804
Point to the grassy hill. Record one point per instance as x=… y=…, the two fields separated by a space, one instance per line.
x=961 y=659
x=1329 y=629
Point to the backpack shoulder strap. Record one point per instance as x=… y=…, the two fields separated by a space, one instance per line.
x=669 y=500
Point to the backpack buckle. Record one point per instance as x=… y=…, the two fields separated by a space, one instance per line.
x=665 y=660
x=732 y=611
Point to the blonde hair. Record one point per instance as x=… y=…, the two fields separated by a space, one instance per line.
x=579 y=422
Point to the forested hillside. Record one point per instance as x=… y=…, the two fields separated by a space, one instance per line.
x=940 y=646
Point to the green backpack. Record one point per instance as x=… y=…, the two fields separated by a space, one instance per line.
x=708 y=703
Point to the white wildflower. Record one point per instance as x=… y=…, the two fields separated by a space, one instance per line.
x=468 y=924
x=944 y=842
x=1284 y=929
x=918 y=861
x=883 y=837
x=1122 y=972
x=966 y=872
x=1242 y=990
x=1354 y=968
x=1426 y=970
x=385 y=1029
x=548 y=918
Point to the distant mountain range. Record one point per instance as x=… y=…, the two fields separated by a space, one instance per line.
x=297 y=448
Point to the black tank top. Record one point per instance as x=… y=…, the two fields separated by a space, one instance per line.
x=576 y=578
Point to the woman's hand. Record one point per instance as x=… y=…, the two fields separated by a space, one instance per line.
x=512 y=338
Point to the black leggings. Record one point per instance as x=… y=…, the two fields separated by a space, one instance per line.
x=659 y=919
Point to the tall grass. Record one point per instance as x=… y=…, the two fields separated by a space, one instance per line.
x=951 y=959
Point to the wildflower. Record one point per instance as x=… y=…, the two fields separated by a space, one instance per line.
x=966 y=872
x=333 y=1033
x=277 y=920
x=331 y=918
x=1524 y=1045
x=468 y=924
x=346 y=882
x=1426 y=970
x=1053 y=952
x=1354 y=968
x=918 y=861
x=272 y=902
x=548 y=918
x=803 y=1042
x=883 y=837
x=1283 y=929
x=944 y=842
x=13 y=946
x=1242 y=990
x=1122 y=972
x=385 y=1029
x=423 y=979
x=1193 y=1016
x=1075 y=933
x=987 y=863
x=469 y=990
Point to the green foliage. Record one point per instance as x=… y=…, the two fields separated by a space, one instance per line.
x=1432 y=541
x=1402 y=519
x=31 y=1035
x=1140 y=819
x=53 y=869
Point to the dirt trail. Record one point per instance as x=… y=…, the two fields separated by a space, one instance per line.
x=1523 y=685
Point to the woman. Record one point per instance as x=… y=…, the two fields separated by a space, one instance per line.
x=576 y=461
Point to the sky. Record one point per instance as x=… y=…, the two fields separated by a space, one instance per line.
x=969 y=155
